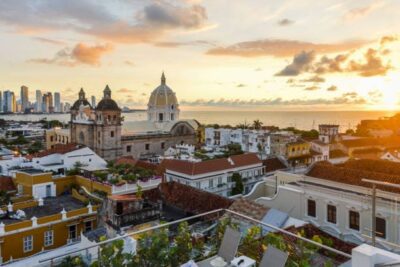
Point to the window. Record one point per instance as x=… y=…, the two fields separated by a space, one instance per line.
x=128 y=148
x=48 y=238
x=72 y=232
x=354 y=220
x=28 y=243
x=211 y=183
x=115 y=117
x=98 y=134
x=331 y=214
x=220 y=180
x=172 y=117
x=112 y=133
x=162 y=145
x=380 y=227
x=198 y=184
x=160 y=116
x=311 y=208
x=109 y=118
x=88 y=226
x=147 y=146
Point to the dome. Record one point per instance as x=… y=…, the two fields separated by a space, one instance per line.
x=81 y=101
x=107 y=103
x=162 y=96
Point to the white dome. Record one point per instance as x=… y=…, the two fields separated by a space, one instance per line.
x=163 y=104
x=162 y=96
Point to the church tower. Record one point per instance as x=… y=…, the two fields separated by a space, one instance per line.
x=107 y=127
x=163 y=105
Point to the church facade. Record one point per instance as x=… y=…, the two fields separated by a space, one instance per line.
x=101 y=129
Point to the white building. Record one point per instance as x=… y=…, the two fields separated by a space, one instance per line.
x=216 y=175
x=334 y=199
x=63 y=157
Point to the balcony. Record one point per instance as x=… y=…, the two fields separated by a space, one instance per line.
x=199 y=237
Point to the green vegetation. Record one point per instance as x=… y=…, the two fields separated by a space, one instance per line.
x=311 y=134
x=35 y=147
x=257 y=124
x=238 y=189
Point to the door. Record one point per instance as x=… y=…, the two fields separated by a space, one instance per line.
x=48 y=190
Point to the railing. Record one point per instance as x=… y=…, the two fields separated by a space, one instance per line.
x=206 y=230
x=131 y=188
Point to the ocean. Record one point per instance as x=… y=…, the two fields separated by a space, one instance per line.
x=303 y=120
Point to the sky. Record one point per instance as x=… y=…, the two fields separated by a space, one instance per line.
x=216 y=54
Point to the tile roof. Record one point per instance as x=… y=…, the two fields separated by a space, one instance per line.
x=387 y=142
x=337 y=153
x=249 y=208
x=187 y=198
x=214 y=165
x=273 y=164
x=57 y=149
x=353 y=174
x=7 y=184
x=136 y=163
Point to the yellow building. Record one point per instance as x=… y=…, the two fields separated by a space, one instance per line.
x=298 y=153
x=57 y=136
x=44 y=217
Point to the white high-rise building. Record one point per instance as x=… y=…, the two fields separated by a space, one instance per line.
x=38 y=106
x=57 y=102
x=24 y=98
x=93 y=101
x=10 y=104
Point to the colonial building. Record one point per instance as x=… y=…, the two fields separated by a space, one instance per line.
x=100 y=128
x=216 y=175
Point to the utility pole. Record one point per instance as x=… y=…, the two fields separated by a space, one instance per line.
x=374 y=184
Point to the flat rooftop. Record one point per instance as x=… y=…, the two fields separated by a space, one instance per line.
x=51 y=205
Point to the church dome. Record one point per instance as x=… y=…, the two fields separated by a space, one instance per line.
x=81 y=101
x=163 y=96
x=107 y=103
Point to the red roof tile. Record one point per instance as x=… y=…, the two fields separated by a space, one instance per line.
x=57 y=149
x=354 y=175
x=214 y=165
x=273 y=164
x=7 y=184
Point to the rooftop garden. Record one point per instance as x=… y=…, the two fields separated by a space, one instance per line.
x=197 y=240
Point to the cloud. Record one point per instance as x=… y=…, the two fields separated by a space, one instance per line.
x=126 y=90
x=361 y=12
x=281 y=48
x=340 y=100
x=241 y=85
x=285 y=22
x=389 y=39
x=314 y=79
x=80 y=54
x=332 y=88
x=148 y=24
x=48 y=41
x=129 y=63
x=311 y=88
x=370 y=64
x=300 y=63
x=179 y=44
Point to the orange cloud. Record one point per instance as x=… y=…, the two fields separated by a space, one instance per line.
x=281 y=48
x=80 y=54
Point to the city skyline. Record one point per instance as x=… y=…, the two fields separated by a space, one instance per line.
x=255 y=56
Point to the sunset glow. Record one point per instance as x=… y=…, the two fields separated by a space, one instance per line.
x=250 y=55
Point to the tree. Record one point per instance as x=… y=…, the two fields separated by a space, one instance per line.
x=112 y=254
x=233 y=149
x=35 y=147
x=182 y=250
x=238 y=189
x=252 y=244
x=139 y=192
x=257 y=124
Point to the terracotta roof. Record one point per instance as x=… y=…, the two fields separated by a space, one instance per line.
x=367 y=150
x=187 y=198
x=319 y=142
x=337 y=153
x=127 y=197
x=140 y=163
x=315 y=153
x=195 y=168
x=7 y=184
x=360 y=142
x=273 y=164
x=57 y=149
x=353 y=176
x=382 y=166
x=249 y=208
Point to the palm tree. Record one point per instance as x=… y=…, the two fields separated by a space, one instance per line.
x=242 y=125
x=257 y=124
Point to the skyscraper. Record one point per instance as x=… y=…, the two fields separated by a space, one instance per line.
x=1 y=102
x=24 y=98
x=9 y=101
x=93 y=101
x=38 y=107
x=57 y=102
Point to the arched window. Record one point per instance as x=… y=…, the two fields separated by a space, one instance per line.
x=160 y=116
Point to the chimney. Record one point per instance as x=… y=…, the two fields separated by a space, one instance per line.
x=63 y=215
x=40 y=202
